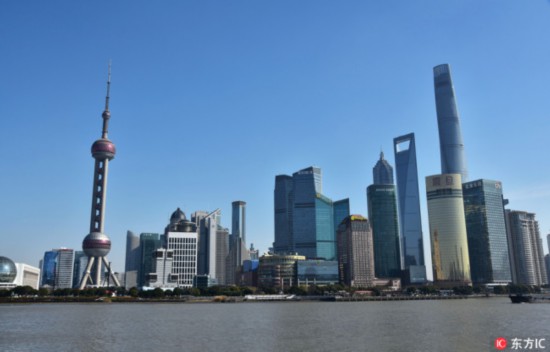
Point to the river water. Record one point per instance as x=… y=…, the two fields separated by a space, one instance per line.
x=438 y=325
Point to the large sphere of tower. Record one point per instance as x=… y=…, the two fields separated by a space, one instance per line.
x=8 y=270
x=96 y=244
x=103 y=149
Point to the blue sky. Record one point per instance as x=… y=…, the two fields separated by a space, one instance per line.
x=211 y=99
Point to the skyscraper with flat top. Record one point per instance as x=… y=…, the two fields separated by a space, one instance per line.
x=410 y=223
x=486 y=229
x=451 y=144
x=450 y=258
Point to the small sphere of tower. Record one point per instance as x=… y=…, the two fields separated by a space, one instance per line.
x=103 y=149
x=96 y=244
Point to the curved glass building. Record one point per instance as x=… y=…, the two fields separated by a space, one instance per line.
x=451 y=144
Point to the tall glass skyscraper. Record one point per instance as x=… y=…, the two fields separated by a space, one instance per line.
x=450 y=258
x=526 y=251
x=382 y=206
x=451 y=145
x=486 y=229
x=283 y=196
x=304 y=217
x=148 y=243
x=410 y=222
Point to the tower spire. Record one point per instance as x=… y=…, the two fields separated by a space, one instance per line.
x=106 y=113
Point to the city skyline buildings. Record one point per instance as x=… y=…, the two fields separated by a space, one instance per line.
x=332 y=80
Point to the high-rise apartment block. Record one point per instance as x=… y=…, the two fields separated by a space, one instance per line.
x=382 y=207
x=486 y=230
x=355 y=252
x=305 y=220
x=410 y=222
x=526 y=252
x=450 y=259
x=450 y=135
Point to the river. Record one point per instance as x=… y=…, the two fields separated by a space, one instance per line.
x=438 y=325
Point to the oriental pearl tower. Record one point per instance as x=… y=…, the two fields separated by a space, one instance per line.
x=97 y=244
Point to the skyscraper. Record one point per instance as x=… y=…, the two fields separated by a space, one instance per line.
x=451 y=145
x=48 y=269
x=382 y=206
x=526 y=251
x=133 y=256
x=382 y=172
x=305 y=220
x=207 y=225
x=222 y=250
x=64 y=268
x=450 y=259
x=486 y=230
x=182 y=239
x=97 y=244
x=148 y=244
x=283 y=196
x=410 y=222
x=355 y=252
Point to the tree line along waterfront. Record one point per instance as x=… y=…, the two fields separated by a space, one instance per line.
x=26 y=294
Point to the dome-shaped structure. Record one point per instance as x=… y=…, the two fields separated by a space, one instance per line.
x=177 y=216
x=96 y=244
x=103 y=149
x=8 y=271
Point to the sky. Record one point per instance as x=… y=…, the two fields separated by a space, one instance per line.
x=211 y=99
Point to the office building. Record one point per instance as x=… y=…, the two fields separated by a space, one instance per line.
x=64 y=268
x=486 y=231
x=526 y=253
x=80 y=262
x=451 y=144
x=96 y=244
x=238 y=252
x=132 y=264
x=382 y=207
x=162 y=275
x=450 y=258
x=304 y=218
x=148 y=244
x=408 y=200
x=278 y=270
x=48 y=269
x=222 y=251
x=355 y=252
x=207 y=226
x=182 y=240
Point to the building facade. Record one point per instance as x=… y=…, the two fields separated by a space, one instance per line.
x=526 y=252
x=132 y=264
x=355 y=252
x=451 y=144
x=182 y=240
x=278 y=270
x=486 y=231
x=382 y=206
x=316 y=272
x=450 y=258
x=148 y=244
x=305 y=220
x=408 y=200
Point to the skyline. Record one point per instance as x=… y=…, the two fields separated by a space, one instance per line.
x=210 y=102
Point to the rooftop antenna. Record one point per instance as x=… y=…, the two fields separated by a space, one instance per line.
x=107 y=114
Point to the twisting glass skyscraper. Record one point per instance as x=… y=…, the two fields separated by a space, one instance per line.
x=410 y=222
x=450 y=135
